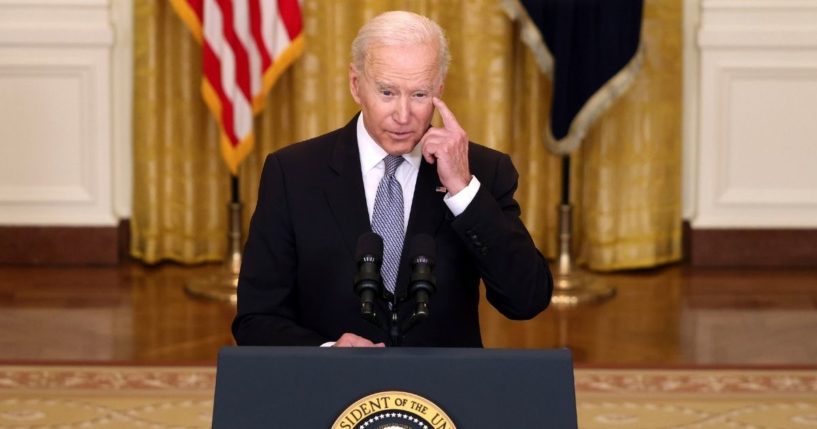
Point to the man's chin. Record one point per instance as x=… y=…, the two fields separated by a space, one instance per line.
x=399 y=147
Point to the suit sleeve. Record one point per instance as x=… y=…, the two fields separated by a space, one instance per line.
x=267 y=309
x=516 y=276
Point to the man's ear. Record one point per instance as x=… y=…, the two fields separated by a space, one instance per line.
x=354 y=83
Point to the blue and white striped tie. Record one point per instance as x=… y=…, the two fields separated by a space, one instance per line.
x=387 y=220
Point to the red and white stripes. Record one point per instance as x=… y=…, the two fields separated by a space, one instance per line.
x=246 y=45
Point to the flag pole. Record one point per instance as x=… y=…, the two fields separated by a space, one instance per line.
x=572 y=286
x=234 y=231
x=222 y=286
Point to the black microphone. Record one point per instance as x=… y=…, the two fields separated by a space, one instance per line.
x=368 y=282
x=422 y=284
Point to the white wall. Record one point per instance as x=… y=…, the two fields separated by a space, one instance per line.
x=752 y=154
x=691 y=54
x=122 y=102
x=57 y=111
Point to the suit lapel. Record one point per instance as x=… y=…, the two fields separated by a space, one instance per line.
x=427 y=214
x=344 y=192
x=427 y=208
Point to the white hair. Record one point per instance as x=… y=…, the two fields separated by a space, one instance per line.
x=396 y=28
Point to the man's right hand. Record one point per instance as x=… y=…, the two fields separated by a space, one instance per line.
x=352 y=340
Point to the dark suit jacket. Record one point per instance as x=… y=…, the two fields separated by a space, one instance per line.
x=295 y=286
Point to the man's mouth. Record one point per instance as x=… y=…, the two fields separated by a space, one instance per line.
x=399 y=135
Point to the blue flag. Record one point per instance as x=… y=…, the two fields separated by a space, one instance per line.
x=591 y=50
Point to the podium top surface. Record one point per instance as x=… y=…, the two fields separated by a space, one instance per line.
x=312 y=387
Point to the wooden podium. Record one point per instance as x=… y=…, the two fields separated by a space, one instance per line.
x=428 y=388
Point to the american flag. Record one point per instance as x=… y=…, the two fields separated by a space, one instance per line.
x=246 y=45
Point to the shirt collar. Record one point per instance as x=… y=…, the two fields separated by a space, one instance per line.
x=371 y=153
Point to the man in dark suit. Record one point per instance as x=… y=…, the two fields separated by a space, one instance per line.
x=390 y=171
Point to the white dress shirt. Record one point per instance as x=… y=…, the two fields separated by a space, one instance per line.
x=372 y=168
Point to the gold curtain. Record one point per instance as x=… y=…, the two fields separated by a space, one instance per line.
x=626 y=178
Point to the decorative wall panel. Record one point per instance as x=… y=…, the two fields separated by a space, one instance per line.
x=757 y=138
x=55 y=114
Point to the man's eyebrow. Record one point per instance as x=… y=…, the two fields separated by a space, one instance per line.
x=389 y=85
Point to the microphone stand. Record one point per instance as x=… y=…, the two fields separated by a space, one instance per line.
x=395 y=334
x=392 y=326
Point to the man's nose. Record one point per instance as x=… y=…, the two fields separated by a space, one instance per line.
x=402 y=111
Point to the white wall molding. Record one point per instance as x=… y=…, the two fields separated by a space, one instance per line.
x=691 y=102
x=760 y=23
x=31 y=4
x=757 y=119
x=34 y=22
x=122 y=107
x=751 y=73
x=69 y=76
x=782 y=38
x=757 y=13
x=761 y=174
x=55 y=119
x=30 y=34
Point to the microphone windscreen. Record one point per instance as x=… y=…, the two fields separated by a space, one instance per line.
x=369 y=243
x=422 y=245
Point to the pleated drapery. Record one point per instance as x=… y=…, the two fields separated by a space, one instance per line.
x=626 y=176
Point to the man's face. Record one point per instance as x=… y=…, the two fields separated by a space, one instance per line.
x=394 y=93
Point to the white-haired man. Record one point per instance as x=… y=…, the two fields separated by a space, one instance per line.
x=388 y=171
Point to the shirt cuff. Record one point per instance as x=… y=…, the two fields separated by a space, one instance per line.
x=328 y=344
x=459 y=202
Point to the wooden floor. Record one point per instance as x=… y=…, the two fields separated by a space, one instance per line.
x=670 y=316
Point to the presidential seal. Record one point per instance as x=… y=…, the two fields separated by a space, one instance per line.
x=393 y=410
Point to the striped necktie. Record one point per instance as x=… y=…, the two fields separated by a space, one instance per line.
x=387 y=220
